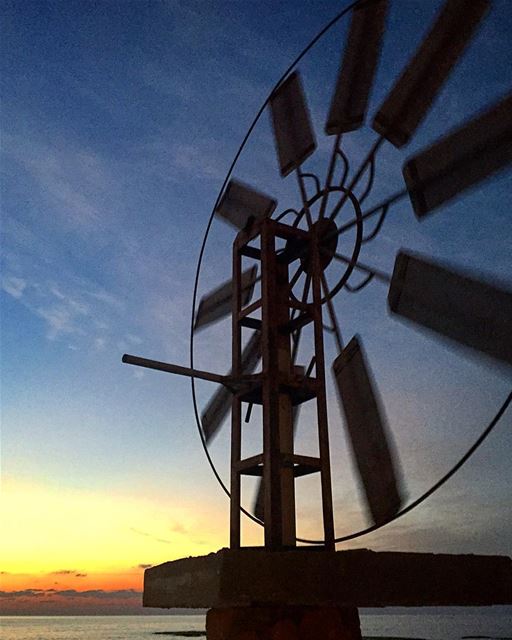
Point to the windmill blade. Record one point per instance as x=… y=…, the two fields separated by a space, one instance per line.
x=422 y=79
x=215 y=412
x=259 y=502
x=220 y=403
x=241 y=205
x=218 y=303
x=293 y=132
x=461 y=159
x=368 y=432
x=360 y=58
x=471 y=312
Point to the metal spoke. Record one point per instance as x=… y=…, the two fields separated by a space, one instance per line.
x=314 y=178
x=346 y=166
x=295 y=277
x=304 y=196
x=305 y=291
x=379 y=275
x=286 y=212
x=379 y=224
x=311 y=364
x=330 y=173
x=371 y=178
x=248 y=412
x=361 y=285
x=373 y=211
x=332 y=314
x=357 y=177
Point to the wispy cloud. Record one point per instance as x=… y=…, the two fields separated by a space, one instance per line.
x=14 y=286
x=68 y=572
x=59 y=320
x=68 y=306
x=99 y=344
x=194 y=160
x=74 y=181
x=150 y=535
x=178 y=528
x=108 y=298
x=63 y=572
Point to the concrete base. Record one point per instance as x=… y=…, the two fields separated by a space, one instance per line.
x=283 y=623
x=308 y=577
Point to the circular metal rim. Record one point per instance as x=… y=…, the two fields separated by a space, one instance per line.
x=502 y=409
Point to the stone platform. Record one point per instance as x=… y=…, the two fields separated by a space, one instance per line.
x=252 y=577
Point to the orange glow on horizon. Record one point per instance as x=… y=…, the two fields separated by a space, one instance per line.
x=55 y=538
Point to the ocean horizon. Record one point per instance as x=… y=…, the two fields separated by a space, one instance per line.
x=429 y=623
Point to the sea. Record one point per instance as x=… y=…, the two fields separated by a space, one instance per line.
x=475 y=623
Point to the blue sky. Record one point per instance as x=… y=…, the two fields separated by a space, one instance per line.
x=119 y=122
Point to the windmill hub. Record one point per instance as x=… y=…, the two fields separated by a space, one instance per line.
x=324 y=236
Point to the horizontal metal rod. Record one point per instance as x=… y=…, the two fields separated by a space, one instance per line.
x=174 y=368
x=376 y=273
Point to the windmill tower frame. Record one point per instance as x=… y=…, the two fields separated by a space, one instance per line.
x=281 y=385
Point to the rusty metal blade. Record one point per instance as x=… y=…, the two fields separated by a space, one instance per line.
x=218 y=303
x=259 y=502
x=291 y=123
x=220 y=403
x=461 y=159
x=422 y=79
x=368 y=432
x=471 y=312
x=358 y=66
x=241 y=204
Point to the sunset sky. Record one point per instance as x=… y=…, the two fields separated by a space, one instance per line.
x=119 y=122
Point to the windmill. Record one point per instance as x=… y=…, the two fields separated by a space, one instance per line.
x=285 y=254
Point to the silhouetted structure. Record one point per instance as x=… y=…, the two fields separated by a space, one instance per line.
x=288 y=268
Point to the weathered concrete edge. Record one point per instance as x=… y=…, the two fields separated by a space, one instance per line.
x=187 y=582
x=363 y=578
